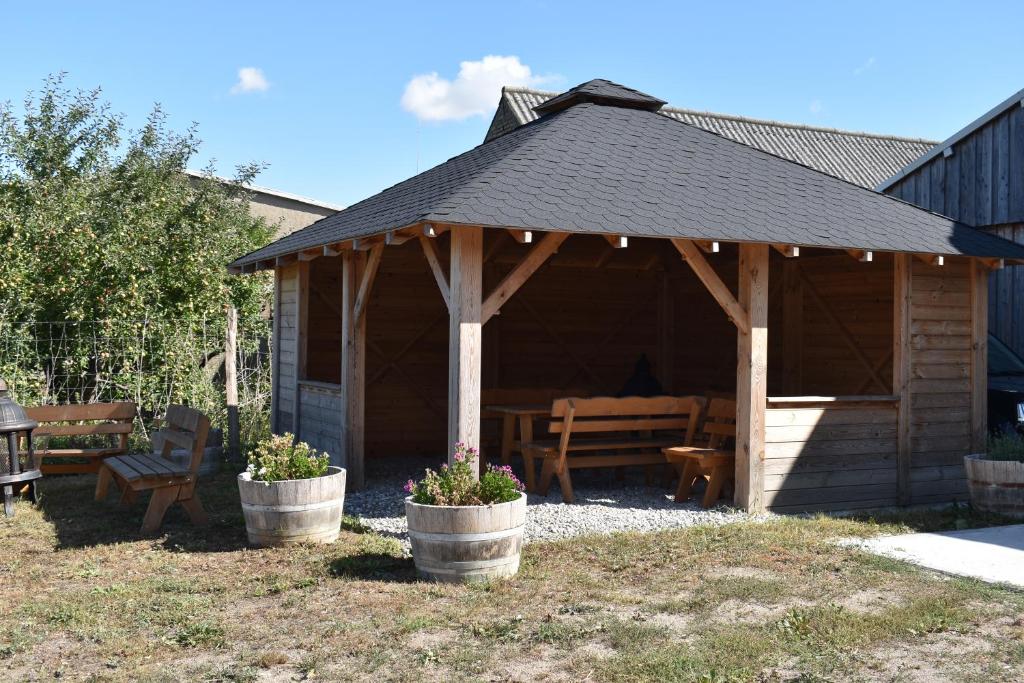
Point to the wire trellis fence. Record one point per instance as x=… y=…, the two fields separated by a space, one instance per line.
x=152 y=362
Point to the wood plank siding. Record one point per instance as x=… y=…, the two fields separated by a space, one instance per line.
x=287 y=346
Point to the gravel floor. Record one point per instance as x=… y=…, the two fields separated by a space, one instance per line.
x=603 y=504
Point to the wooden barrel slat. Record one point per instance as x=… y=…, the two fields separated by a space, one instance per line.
x=295 y=511
x=473 y=543
x=996 y=485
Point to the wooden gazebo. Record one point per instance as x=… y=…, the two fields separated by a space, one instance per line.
x=561 y=251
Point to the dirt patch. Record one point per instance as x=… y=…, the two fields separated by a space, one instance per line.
x=738 y=612
x=541 y=664
x=748 y=573
x=870 y=601
x=938 y=657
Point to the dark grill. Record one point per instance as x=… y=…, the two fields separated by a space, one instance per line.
x=18 y=469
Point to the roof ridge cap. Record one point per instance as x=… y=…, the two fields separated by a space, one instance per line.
x=799 y=126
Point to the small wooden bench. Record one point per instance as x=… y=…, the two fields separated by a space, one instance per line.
x=110 y=420
x=611 y=432
x=492 y=398
x=170 y=481
x=712 y=461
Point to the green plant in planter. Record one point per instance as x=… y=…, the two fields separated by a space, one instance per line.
x=456 y=485
x=1005 y=445
x=279 y=458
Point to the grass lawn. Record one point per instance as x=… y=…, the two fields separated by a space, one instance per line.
x=84 y=598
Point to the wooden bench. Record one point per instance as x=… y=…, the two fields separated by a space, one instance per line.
x=170 y=481
x=611 y=432
x=712 y=461
x=517 y=397
x=110 y=420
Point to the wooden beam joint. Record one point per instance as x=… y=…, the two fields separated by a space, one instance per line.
x=706 y=274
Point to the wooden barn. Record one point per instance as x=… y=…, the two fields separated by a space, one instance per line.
x=976 y=176
x=849 y=325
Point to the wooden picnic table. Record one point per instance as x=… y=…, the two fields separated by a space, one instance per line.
x=525 y=414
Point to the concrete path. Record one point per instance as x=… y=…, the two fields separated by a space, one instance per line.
x=995 y=554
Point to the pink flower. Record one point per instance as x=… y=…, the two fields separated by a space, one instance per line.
x=410 y=486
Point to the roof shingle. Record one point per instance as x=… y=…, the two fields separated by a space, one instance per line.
x=592 y=168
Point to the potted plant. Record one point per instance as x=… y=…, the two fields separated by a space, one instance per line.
x=290 y=494
x=465 y=528
x=996 y=478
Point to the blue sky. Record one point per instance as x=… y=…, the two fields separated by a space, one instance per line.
x=323 y=105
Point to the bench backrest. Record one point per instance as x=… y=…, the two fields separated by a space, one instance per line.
x=720 y=422
x=185 y=428
x=85 y=419
x=608 y=416
x=525 y=396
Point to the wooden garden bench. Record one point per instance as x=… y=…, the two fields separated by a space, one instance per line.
x=501 y=404
x=110 y=420
x=712 y=461
x=611 y=432
x=170 y=481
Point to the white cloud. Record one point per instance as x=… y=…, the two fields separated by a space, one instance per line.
x=474 y=92
x=816 y=106
x=869 y=64
x=250 y=79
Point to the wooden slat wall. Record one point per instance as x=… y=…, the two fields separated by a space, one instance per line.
x=830 y=458
x=940 y=382
x=286 y=362
x=982 y=183
x=1006 y=293
x=320 y=418
x=323 y=356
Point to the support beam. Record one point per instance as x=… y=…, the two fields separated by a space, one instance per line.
x=752 y=377
x=282 y=261
x=708 y=247
x=353 y=371
x=862 y=255
x=932 y=259
x=331 y=250
x=430 y=252
x=706 y=274
x=521 y=236
x=366 y=284
x=901 y=350
x=787 y=250
x=430 y=230
x=617 y=241
x=275 y=357
x=521 y=273
x=301 y=342
x=393 y=237
x=310 y=255
x=464 y=339
x=993 y=263
x=792 y=329
x=979 y=356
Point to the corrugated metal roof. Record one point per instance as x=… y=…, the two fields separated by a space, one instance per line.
x=862 y=158
x=601 y=169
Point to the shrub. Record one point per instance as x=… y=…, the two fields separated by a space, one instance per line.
x=1006 y=445
x=279 y=458
x=456 y=485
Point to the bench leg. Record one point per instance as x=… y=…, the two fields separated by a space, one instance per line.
x=531 y=472
x=547 y=469
x=715 y=481
x=128 y=495
x=508 y=435
x=162 y=499
x=194 y=507
x=566 y=483
x=103 y=482
x=686 y=479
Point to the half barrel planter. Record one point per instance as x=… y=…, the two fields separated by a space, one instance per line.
x=293 y=510
x=470 y=543
x=996 y=485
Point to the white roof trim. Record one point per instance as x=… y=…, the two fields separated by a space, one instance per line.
x=270 y=191
x=1016 y=99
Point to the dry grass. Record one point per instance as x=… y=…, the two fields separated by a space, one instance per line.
x=84 y=598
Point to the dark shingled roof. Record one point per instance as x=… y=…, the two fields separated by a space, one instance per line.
x=600 y=91
x=593 y=168
x=863 y=158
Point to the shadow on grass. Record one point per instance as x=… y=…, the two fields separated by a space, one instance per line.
x=80 y=521
x=374 y=566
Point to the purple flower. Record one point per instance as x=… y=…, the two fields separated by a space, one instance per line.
x=459 y=457
x=410 y=486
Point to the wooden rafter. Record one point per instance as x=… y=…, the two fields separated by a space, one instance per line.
x=617 y=241
x=396 y=237
x=844 y=332
x=431 y=230
x=366 y=286
x=521 y=273
x=310 y=254
x=430 y=252
x=861 y=255
x=521 y=236
x=787 y=250
x=707 y=275
x=330 y=251
x=932 y=259
x=708 y=246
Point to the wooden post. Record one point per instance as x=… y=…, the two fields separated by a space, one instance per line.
x=231 y=382
x=464 y=338
x=979 y=356
x=901 y=293
x=301 y=338
x=792 y=328
x=275 y=355
x=751 y=377
x=353 y=370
